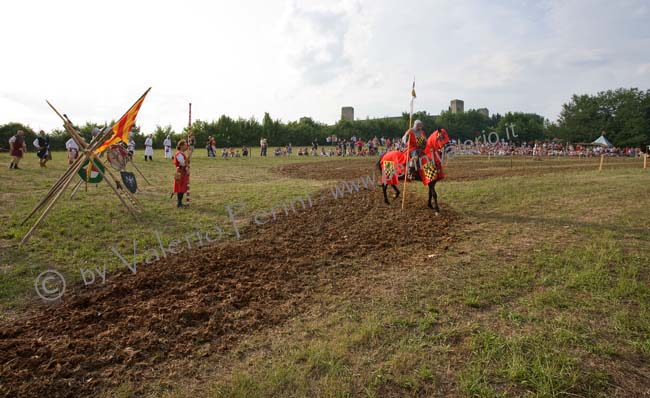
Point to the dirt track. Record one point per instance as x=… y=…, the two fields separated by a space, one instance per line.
x=181 y=307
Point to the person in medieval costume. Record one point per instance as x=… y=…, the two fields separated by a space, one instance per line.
x=263 y=146
x=131 y=148
x=182 y=174
x=209 y=145
x=168 y=147
x=17 y=148
x=72 y=150
x=42 y=144
x=415 y=140
x=148 y=148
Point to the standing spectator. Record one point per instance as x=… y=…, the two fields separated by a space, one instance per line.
x=130 y=148
x=244 y=151
x=213 y=144
x=17 y=148
x=148 y=148
x=42 y=144
x=182 y=174
x=209 y=145
x=168 y=148
x=72 y=149
x=263 y=146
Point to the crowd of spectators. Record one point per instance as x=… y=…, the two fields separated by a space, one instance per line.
x=541 y=149
x=376 y=146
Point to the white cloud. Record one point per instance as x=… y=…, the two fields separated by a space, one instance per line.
x=294 y=59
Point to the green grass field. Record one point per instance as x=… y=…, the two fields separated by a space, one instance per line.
x=543 y=290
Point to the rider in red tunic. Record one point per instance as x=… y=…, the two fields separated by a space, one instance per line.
x=182 y=175
x=411 y=136
x=415 y=139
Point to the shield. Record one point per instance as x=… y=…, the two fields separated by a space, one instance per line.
x=90 y=173
x=430 y=170
x=129 y=181
x=117 y=156
x=389 y=169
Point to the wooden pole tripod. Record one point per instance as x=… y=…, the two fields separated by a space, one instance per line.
x=88 y=152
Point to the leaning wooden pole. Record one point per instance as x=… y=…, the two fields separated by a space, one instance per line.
x=66 y=178
x=49 y=206
x=406 y=172
x=124 y=202
x=76 y=188
x=602 y=159
x=114 y=177
x=89 y=153
x=53 y=190
x=71 y=170
x=138 y=170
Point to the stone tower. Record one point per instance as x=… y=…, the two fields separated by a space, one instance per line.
x=457 y=105
x=347 y=113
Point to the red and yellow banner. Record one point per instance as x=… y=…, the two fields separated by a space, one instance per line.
x=122 y=128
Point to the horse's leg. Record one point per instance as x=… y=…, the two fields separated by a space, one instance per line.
x=397 y=192
x=383 y=187
x=434 y=195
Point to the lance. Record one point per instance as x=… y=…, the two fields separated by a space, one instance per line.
x=408 y=144
x=191 y=149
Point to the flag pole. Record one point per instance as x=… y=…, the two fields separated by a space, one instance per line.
x=189 y=122
x=408 y=144
x=189 y=131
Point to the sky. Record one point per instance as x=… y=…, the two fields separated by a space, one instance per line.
x=93 y=59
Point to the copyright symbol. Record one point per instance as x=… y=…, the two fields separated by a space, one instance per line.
x=49 y=285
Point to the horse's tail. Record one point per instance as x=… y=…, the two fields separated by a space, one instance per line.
x=379 y=161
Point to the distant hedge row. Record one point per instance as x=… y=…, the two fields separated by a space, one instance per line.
x=622 y=114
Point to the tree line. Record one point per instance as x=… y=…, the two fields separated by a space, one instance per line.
x=623 y=115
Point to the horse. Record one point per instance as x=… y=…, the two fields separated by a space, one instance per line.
x=428 y=167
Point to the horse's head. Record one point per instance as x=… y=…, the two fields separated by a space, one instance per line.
x=443 y=137
x=440 y=139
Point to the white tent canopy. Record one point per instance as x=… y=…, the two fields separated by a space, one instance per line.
x=602 y=141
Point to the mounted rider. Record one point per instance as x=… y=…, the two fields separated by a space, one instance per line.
x=416 y=140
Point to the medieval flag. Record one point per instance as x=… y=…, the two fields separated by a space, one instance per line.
x=122 y=128
x=412 y=97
